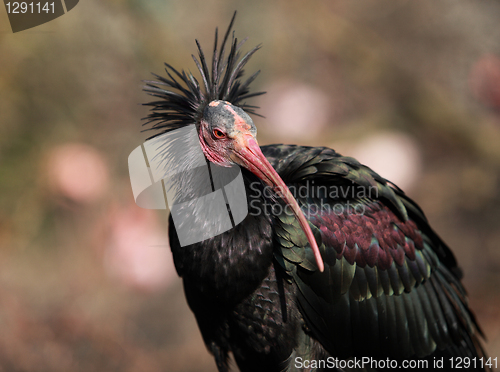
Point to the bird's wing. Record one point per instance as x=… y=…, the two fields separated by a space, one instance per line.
x=391 y=287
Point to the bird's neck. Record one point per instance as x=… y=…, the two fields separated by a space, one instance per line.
x=231 y=265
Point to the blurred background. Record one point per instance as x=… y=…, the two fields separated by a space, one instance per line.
x=410 y=88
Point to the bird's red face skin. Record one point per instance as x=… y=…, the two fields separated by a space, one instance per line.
x=217 y=132
x=227 y=136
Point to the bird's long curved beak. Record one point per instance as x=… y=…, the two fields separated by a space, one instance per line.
x=249 y=153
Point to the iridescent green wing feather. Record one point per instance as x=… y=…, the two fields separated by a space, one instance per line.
x=390 y=287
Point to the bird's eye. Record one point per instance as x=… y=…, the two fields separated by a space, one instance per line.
x=219 y=134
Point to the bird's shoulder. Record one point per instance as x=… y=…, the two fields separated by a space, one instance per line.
x=388 y=276
x=354 y=198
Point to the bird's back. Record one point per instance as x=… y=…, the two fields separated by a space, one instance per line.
x=391 y=288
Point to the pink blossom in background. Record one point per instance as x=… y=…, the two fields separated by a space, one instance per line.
x=295 y=110
x=78 y=172
x=484 y=80
x=137 y=253
x=395 y=156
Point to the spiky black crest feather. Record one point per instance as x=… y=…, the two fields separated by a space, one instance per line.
x=177 y=109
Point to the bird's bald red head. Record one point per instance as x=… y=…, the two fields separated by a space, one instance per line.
x=228 y=118
x=228 y=136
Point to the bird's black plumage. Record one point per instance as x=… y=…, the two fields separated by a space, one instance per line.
x=222 y=82
x=390 y=289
